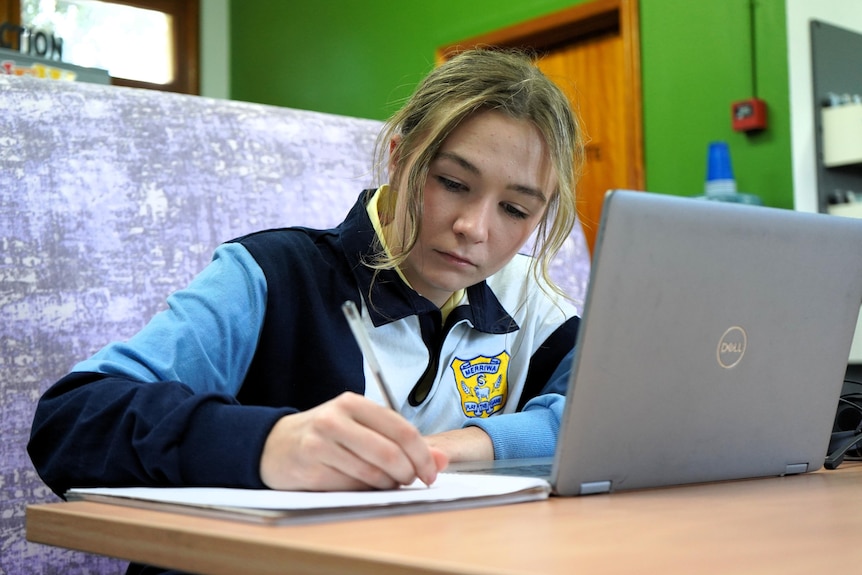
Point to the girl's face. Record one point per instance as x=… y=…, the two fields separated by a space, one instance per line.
x=487 y=189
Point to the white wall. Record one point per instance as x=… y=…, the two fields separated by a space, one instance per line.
x=215 y=48
x=846 y=14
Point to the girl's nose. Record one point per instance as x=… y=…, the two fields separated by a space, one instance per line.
x=473 y=223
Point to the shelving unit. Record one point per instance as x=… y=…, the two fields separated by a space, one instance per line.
x=838 y=128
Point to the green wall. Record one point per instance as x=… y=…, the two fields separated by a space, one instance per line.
x=363 y=57
x=695 y=61
x=353 y=57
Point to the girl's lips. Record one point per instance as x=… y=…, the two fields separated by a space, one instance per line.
x=457 y=260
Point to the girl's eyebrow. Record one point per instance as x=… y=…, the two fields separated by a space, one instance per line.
x=474 y=169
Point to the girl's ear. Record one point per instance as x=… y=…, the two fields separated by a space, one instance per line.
x=393 y=159
x=396 y=139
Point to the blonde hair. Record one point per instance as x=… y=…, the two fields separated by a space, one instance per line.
x=507 y=81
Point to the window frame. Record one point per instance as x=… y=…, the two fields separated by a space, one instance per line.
x=186 y=40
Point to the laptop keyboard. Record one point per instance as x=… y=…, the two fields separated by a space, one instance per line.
x=527 y=470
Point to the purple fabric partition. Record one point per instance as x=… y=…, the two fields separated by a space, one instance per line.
x=110 y=199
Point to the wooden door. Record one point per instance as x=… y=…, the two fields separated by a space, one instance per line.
x=592 y=51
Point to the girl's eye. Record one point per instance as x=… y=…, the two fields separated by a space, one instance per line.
x=515 y=212
x=451 y=185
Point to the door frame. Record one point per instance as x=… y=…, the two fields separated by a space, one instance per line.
x=568 y=25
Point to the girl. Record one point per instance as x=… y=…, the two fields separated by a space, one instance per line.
x=252 y=378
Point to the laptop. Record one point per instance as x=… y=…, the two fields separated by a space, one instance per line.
x=713 y=345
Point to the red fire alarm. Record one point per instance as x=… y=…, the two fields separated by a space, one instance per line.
x=749 y=115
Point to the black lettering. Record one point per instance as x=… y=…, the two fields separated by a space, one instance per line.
x=56 y=48
x=41 y=44
x=13 y=37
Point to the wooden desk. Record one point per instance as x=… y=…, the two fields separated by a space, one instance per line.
x=801 y=524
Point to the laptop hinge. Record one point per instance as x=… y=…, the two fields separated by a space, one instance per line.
x=794 y=468
x=593 y=487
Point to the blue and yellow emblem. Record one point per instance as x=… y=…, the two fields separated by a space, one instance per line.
x=483 y=383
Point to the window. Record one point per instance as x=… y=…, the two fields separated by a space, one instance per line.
x=141 y=43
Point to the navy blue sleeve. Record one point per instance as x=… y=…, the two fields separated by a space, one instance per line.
x=555 y=354
x=90 y=429
x=559 y=380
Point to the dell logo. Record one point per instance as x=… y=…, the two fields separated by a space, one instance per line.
x=731 y=347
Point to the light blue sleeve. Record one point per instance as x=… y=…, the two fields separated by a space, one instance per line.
x=533 y=431
x=528 y=433
x=206 y=338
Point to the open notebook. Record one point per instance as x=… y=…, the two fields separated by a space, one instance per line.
x=266 y=506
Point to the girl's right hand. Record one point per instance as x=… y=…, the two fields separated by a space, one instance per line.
x=347 y=443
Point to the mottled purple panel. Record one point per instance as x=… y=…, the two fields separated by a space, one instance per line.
x=110 y=199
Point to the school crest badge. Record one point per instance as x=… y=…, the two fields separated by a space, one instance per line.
x=483 y=383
